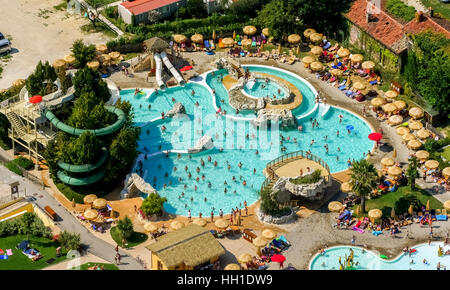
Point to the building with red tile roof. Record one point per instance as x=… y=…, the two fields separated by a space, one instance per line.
x=140 y=9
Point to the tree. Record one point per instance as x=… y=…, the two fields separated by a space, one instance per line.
x=153 y=204
x=84 y=150
x=412 y=173
x=249 y=8
x=87 y=80
x=196 y=9
x=153 y=16
x=89 y=112
x=28 y=219
x=64 y=79
x=69 y=241
x=41 y=80
x=125 y=227
x=83 y=53
x=364 y=178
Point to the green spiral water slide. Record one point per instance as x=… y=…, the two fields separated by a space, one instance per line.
x=79 y=181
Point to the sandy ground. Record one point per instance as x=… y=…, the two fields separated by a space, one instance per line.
x=38 y=35
x=89 y=258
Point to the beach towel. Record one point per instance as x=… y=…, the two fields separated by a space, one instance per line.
x=327 y=46
x=441 y=217
x=3 y=257
x=206 y=43
x=9 y=252
x=1 y=252
x=283 y=239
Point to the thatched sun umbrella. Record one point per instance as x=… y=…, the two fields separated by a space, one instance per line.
x=316 y=50
x=336 y=72
x=69 y=59
x=246 y=42
x=389 y=108
x=446 y=172
x=265 y=31
x=359 y=86
x=222 y=224
x=259 y=242
x=423 y=133
x=90 y=214
x=249 y=30
x=415 y=125
x=232 y=267
x=228 y=41
x=395 y=119
x=176 y=225
x=200 y=222
x=18 y=83
x=59 y=63
x=394 y=171
x=408 y=137
x=414 y=144
x=400 y=104
x=343 y=52
x=346 y=187
x=375 y=214
x=99 y=203
x=335 y=206
x=308 y=60
x=391 y=94
x=179 y=38
x=316 y=66
x=89 y=199
x=387 y=161
x=150 y=227
x=105 y=58
x=101 y=48
x=245 y=258
x=447 y=205
x=378 y=102
x=422 y=155
x=197 y=38
x=294 y=38
x=402 y=131
x=368 y=65
x=114 y=55
x=315 y=37
x=416 y=112
x=307 y=33
x=268 y=234
x=155 y=44
x=356 y=58
x=431 y=164
x=93 y=64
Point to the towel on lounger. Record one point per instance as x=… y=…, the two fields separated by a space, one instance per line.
x=9 y=252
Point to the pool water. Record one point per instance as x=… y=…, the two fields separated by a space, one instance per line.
x=261 y=89
x=234 y=140
x=370 y=261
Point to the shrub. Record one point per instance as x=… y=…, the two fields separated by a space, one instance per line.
x=153 y=204
x=69 y=193
x=17 y=226
x=401 y=10
x=14 y=168
x=308 y=179
x=270 y=206
x=401 y=206
x=23 y=162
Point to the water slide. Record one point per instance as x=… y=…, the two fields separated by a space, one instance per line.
x=159 y=70
x=171 y=68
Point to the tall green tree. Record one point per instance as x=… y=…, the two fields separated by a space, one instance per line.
x=83 y=53
x=249 y=8
x=84 y=150
x=412 y=173
x=89 y=112
x=125 y=227
x=363 y=179
x=69 y=241
x=87 y=80
x=153 y=204
x=196 y=9
x=28 y=219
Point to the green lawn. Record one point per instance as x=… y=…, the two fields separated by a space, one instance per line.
x=18 y=261
x=439 y=7
x=386 y=201
x=446 y=153
x=136 y=239
x=105 y=266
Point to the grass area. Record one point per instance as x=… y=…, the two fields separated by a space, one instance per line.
x=446 y=153
x=19 y=261
x=400 y=9
x=134 y=240
x=104 y=2
x=61 y=6
x=105 y=266
x=386 y=201
x=99 y=27
x=308 y=179
x=443 y=9
x=129 y=55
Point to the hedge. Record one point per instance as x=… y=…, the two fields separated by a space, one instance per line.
x=23 y=162
x=16 y=227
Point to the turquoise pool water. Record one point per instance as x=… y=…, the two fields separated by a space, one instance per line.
x=370 y=261
x=262 y=89
x=235 y=141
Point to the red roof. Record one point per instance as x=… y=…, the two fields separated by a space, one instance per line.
x=142 y=6
x=415 y=27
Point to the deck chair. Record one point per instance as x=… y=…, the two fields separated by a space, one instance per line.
x=206 y=43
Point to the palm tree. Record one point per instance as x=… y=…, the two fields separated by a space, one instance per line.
x=125 y=227
x=412 y=173
x=364 y=178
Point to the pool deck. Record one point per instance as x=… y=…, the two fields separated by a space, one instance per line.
x=292 y=168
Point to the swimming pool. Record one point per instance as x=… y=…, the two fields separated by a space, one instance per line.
x=259 y=88
x=235 y=141
x=367 y=260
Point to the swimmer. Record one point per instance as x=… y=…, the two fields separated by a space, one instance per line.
x=189 y=175
x=206 y=199
x=215 y=163
x=185 y=186
x=198 y=170
x=229 y=166
x=195 y=188
x=257 y=152
x=148 y=132
x=339 y=149
x=209 y=158
x=312 y=142
x=244 y=183
x=254 y=170
x=149 y=106
x=240 y=164
x=178 y=155
x=192 y=93
x=203 y=177
x=209 y=184
x=225 y=190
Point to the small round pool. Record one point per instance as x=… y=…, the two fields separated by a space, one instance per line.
x=259 y=88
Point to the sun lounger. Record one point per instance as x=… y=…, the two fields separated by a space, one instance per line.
x=327 y=46
x=206 y=43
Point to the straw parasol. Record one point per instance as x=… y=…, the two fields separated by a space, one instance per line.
x=155 y=44
x=447 y=204
x=375 y=214
x=389 y=108
x=316 y=50
x=59 y=63
x=69 y=59
x=101 y=48
x=415 y=125
x=200 y=222
x=222 y=224
x=356 y=58
x=414 y=144
x=308 y=59
x=387 y=161
x=268 y=234
x=391 y=94
x=245 y=258
x=446 y=172
x=346 y=187
x=18 y=82
x=307 y=33
x=90 y=214
x=336 y=72
x=378 y=102
x=402 y=131
x=179 y=38
x=232 y=267
x=294 y=38
x=335 y=206
x=246 y=42
x=249 y=30
x=176 y=225
x=408 y=137
x=259 y=242
x=395 y=119
x=359 y=86
x=105 y=58
x=265 y=31
x=400 y=105
x=416 y=112
x=99 y=203
x=88 y=199
x=423 y=134
x=316 y=66
x=368 y=64
x=114 y=55
x=315 y=37
x=431 y=164
x=394 y=171
x=422 y=155
x=343 y=52
x=150 y=227
x=197 y=38
x=228 y=41
x=93 y=64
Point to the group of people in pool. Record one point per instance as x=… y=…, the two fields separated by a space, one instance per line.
x=234 y=215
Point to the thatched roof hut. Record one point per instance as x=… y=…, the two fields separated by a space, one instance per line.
x=191 y=246
x=155 y=44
